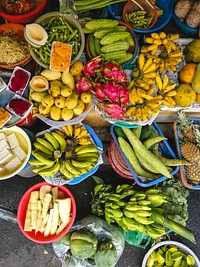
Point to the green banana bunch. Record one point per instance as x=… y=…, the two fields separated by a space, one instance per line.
x=133 y=210
x=51 y=170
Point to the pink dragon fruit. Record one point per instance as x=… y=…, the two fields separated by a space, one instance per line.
x=111 y=90
x=113 y=110
x=123 y=95
x=99 y=91
x=91 y=67
x=83 y=84
x=115 y=72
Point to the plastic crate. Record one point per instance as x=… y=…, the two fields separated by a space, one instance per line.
x=182 y=25
x=182 y=173
x=115 y=11
x=165 y=150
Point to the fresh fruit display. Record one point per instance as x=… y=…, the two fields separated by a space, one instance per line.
x=108 y=81
x=48 y=211
x=144 y=156
x=67 y=152
x=111 y=38
x=54 y=95
x=170 y=255
x=188 y=138
x=136 y=210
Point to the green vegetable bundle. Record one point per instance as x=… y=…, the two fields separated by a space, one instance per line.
x=134 y=210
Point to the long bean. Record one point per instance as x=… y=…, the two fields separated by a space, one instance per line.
x=98 y=4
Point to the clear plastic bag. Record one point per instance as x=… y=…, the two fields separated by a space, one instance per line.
x=101 y=229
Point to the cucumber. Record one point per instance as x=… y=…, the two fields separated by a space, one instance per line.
x=119 y=132
x=115 y=55
x=100 y=33
x=110 y=38
x=116 y=46
x=125 y=59
x=92 y=45
x=101 y=23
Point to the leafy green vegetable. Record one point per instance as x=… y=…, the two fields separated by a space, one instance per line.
x=177 y=205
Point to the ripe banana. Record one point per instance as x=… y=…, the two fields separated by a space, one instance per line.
x=159 y=82
x=141 y=61
x=79 y=164
x=45 y=143
x=52 y=140
x=147 y=64
x=42 y=159
x=83 y=133
x=85 y=149
x=155 y=35
x=71 y=168
x=61 y=141
x=42 y=148
x=51 y=171
x=84 y=141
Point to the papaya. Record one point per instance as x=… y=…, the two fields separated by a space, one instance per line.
x=83 y=244
x=105 y=255
x=185 y=95
x=196 y=80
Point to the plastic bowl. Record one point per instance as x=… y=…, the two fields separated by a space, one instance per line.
x=28 y=17
x=72 y=22
x=21 y=215
x=24 y=143
x=181 y=246
x=115 y=11
x=133 y=49
x=150 y=9
x=12 y=29
x=182 y=25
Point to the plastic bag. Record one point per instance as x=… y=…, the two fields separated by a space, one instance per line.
x=101 y=229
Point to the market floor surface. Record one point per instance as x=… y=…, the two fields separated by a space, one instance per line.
x=18 y=251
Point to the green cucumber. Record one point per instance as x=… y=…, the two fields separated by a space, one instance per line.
x=116 y=46
x=101 y=23
x=110 y=38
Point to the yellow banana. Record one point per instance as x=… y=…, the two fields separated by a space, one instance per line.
x=157 y=42
x=150 y=91
x=147 y=63
x=130 y=85
x=173 y=46
x=171 y=93
x=158 y=81
x=155 y=35
x=70 y=129
x=144 y=50
x=161 y=66
x=76 y=130
x=170 y=100
x=84 y=141
x=154 y=51
x=140 y=83
x=143 y=94
x=141 y=61
x=146 y=87
x=149 y=40
x=144 y=114
x=149 y=75
x=165 y=41
x=169 y=87
x=130 y=110
x=151 y=68
x=152 y=47
x=148 y=81
x=83 y=133
x=177 y=53
x=71 y=168
x=172 y=37
x=162 y=35
x=165 y=81
x=132 y=97
x=65 y=171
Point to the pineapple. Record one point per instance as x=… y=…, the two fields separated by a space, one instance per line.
x=189 y=140
x=190 y=152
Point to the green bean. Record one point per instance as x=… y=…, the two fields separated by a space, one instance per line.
x=100 y=4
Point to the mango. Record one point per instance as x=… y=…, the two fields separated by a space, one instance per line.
x=68 y=79
x=71 y=101
x=38 y=96
x=76 y=68
x=196 y=80
x=86 y=97
x=187 y=73
x=55 y=113
x=51 y=75
x=60 y=101
x=48 y=100
x=55 y=87
x=44 y=110
x=80 y=107
x=66 y=91
x=67 y=114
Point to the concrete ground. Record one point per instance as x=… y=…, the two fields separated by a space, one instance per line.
x=17 y=251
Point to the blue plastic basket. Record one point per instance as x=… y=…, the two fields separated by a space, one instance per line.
x=115 y=11
x=165 y=150
x=183 y=26
x=183 y=176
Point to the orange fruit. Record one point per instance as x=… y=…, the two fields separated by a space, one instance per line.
x=187 y=73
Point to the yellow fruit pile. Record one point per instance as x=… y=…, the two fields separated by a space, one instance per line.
x=60 y=100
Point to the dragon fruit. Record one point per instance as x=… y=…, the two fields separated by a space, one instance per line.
x=83 y=84
x=114 y=72
x=123 y=95
x=111 y=90
x=99 y=91
x=113 y=110
x=91 y=67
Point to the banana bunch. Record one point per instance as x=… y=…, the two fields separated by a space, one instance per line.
x=163 y=50
x=84 y=159
x=130 y=209
x=166 y=90
x=78 y=132
x=148 y=108
x=47 y=153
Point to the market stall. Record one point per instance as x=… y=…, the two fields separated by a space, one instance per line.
x=100 y=101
